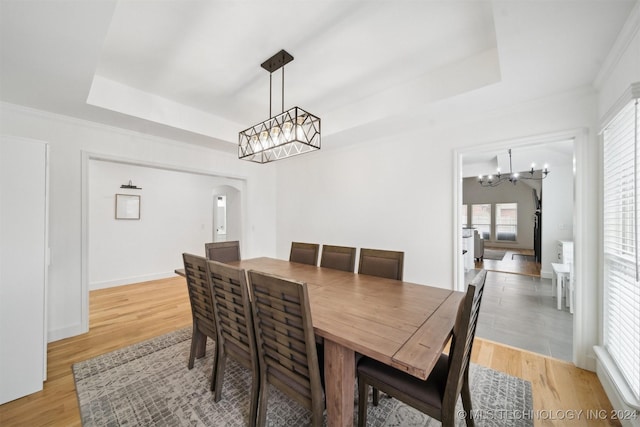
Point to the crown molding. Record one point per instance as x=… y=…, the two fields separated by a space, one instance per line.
x=632 y=92
x=623 y=40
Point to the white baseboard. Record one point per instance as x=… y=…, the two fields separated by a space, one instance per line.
x=545 y=274
x=129 y=280
x=62 y=333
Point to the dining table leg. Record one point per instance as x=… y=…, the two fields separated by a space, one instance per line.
x=339 y=374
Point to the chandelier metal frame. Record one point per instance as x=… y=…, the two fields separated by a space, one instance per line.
x=512 y=177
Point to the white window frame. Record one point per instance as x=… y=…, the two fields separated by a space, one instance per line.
x=620 y=352
x=497 y=224
x=490 y=224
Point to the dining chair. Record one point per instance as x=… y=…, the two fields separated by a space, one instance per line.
x=304 y=253
x=201 y=299
x=287 y=350
x=223 y=251
x=338 y=257
x=438 y=394
x=234 y=323
x=387 y=264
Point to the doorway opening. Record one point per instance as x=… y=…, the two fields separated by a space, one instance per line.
x=175 y=217
x=227 y=214
x=521 y=226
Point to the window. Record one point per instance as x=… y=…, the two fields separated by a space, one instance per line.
x=463 y=215
x=620 y=245
x=506 y=221
x=481 y=219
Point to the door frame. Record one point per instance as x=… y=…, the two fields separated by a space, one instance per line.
x=585 y=330
x=87 y=156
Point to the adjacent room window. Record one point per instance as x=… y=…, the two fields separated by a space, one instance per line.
x=464 y=216
x=620 y=244
x=506 y=222
x=481 y=219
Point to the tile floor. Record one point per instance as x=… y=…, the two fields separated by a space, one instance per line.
x=520 y=311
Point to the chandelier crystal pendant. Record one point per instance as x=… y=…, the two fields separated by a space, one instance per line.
x=512 y=177
x=286 y=134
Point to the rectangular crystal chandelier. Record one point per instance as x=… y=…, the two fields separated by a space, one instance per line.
x=287 y=134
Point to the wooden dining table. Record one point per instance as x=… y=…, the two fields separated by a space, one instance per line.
x=404 y=325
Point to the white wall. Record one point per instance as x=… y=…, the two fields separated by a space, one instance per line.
x=398 y=192
x=176 y=212
x=68 y=139
x=557 y=214
x=521 y=193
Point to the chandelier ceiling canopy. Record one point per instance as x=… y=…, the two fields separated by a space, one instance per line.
x=283 y=135
x=512 y=177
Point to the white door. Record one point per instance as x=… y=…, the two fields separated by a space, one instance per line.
x=23 y=228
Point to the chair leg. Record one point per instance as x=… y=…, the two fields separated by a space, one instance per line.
x=262 y=405
x=214 y=370
x=363 y=398
x=202 y=345
x=316 y=417
x=376 y=396
x=466 y=400
x=253 y=404
x=218 y=375
x=196 y=337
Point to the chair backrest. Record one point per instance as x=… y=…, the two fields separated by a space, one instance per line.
x=285 y=339
x=388 y=264
x=232 y=310
x=304 y=253
x=464 y=332
x=338 y=257
x=200 y=293
x=223 y=251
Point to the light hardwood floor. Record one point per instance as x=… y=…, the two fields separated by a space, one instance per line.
x=128 y=314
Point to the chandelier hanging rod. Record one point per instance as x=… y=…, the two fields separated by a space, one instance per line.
x=277 y=61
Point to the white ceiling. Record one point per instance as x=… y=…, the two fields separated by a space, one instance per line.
x=190 y=70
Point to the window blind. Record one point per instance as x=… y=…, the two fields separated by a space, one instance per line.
x=621 y=241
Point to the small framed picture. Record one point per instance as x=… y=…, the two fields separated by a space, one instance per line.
x=127 y=206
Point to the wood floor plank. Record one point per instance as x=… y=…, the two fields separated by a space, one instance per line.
x=128 y=314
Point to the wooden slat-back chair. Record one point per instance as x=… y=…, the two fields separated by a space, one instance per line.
x=234 y=323
x=223 y=251
x=438 y=394
x=285 y=341
x=201 y=298
x=387 y=264
x=304 y=253
x=338 y=257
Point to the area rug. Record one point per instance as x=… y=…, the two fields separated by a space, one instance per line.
x=148 y=384
x=494 y=254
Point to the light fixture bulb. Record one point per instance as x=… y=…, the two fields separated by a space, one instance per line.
x=286 y=130
x=275 y=135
